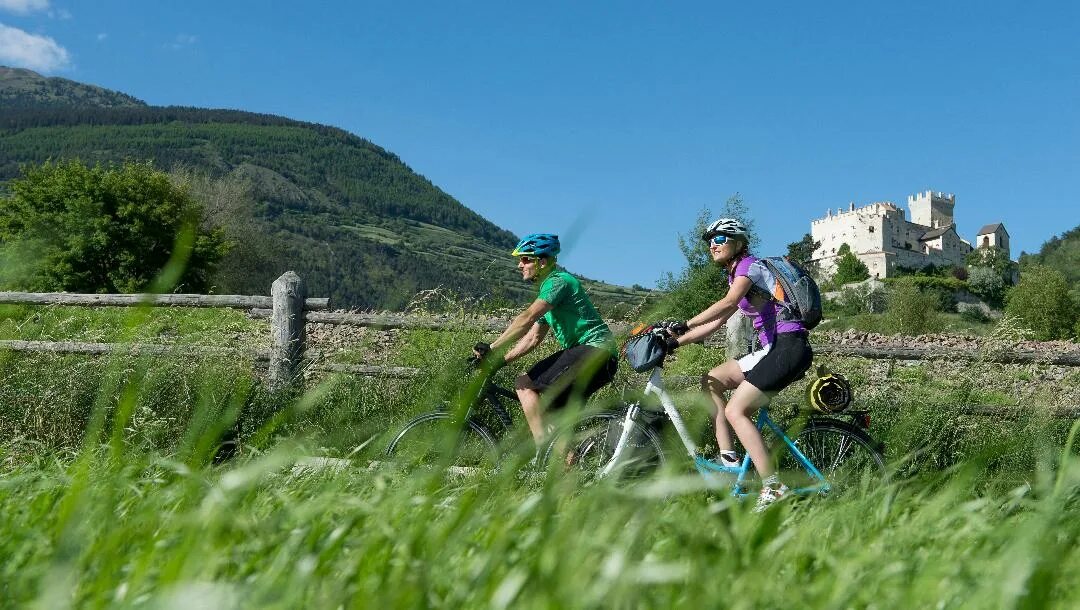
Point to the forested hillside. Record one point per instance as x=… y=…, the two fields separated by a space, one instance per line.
x=1061 y=253
x=343 y=212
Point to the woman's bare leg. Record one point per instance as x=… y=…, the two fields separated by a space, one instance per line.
x=741 y=407
x=716 y=382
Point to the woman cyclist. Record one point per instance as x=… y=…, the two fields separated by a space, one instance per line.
x=785 y=354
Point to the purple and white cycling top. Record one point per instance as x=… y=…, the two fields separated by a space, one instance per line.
x=760 y=309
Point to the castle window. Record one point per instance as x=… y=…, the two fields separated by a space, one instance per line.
x=871 y=229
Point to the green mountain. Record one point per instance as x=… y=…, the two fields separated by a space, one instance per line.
x=347 y=215
x=24 y=88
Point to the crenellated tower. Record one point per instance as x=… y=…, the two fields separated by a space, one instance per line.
x=932 y=209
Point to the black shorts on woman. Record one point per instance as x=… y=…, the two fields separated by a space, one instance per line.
x=789 y=357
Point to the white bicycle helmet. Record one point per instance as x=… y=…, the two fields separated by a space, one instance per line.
x=731 y=227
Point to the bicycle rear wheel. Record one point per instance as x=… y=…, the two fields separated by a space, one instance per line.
x=845 y=455
x=588 y=446
x=436 y=440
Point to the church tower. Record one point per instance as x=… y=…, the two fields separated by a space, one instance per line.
x=932 y=209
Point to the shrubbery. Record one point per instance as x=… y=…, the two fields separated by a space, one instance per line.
x=911 y=311
x=987 y=284
x=943 y=289
x=1042 y=303
x=107 y=228
x=855 y=300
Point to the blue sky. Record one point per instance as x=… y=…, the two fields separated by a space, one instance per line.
x=614 y=123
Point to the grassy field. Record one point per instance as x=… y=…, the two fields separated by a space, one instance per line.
x=109 y=497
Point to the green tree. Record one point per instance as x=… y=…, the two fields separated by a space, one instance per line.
x=849 y=269
x=107 y=228
x=1061 y=253
x=1042 y=303
x=255 y=258
x=702 y=282
x=802 y=252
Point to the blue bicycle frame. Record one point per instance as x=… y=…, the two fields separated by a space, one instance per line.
x=706 y=467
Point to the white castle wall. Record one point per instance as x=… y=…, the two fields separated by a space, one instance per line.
x=883 y=239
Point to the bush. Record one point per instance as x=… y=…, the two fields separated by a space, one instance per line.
x=943 y=289
x=1042 y=303
x=910 y=311
x=987 y=284
x=849 y=268
x=107 y=228
x=970 y=312
x=855 y=300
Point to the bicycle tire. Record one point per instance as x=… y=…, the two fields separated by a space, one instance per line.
x=434 y=440
x=846 y=456
x=588 y=445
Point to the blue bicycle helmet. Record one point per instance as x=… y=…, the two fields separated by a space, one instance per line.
x=537 y=244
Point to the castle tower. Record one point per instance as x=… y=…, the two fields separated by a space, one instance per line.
x=932 y=209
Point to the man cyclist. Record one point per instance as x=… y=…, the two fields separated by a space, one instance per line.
x=587 y=360
x=785 y=354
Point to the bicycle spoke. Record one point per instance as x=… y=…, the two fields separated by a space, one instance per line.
x=844 y=444
x=844 y=456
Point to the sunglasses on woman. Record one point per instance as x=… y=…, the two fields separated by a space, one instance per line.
x=718 y=240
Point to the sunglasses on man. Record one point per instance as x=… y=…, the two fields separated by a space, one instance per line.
x=528 y=260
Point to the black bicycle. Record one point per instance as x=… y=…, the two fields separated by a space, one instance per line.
x=458 y=438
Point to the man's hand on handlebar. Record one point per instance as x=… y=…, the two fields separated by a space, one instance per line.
x=481 y=350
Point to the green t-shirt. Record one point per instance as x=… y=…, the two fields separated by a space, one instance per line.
x=573 y=318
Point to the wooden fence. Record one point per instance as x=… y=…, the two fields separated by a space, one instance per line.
x=290 y=310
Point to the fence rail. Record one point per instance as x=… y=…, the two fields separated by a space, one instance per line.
x=233 y=301
x=290 y=311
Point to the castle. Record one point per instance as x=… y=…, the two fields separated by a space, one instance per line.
x=884 y=240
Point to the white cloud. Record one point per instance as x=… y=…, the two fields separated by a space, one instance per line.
x=24 y=7
x=183 y=40
x=23 y=50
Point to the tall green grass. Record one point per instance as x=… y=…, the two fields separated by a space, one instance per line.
x=143 y=530
x=109 y=497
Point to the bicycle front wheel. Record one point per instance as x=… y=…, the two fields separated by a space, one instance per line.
x=436 y=440
x=844 y=455
x=589 y=445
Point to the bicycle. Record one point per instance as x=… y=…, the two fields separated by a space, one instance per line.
x=468 y=440
x=826 y=455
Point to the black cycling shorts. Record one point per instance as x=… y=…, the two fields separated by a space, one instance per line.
x=788 y=358
x=578 y=371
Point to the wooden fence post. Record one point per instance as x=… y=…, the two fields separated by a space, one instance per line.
x=286 y=329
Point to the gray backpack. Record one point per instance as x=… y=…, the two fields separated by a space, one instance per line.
x=796 y=292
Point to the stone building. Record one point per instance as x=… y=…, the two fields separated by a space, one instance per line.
x=882 y=238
